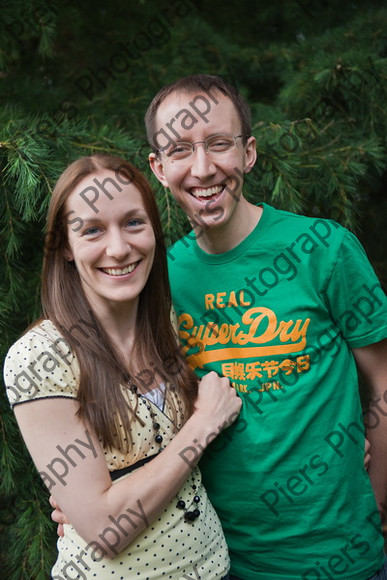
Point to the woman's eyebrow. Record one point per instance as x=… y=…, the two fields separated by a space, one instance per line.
x=98 y=219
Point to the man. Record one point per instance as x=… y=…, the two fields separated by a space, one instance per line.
x=283 y=305
x=286 y=307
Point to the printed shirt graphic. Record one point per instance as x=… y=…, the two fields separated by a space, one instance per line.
x=278 y=315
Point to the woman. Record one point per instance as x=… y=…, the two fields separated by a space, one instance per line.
x=99 y=389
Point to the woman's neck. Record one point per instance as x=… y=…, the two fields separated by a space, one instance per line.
x=119 y=322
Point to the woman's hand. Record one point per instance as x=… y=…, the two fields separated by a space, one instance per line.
x=217 y=403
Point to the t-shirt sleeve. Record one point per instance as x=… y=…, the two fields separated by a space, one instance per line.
x=355 y=297
x=38 y=366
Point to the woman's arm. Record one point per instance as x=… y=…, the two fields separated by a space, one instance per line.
x=71 y=461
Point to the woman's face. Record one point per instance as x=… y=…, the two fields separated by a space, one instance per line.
x=110 y=239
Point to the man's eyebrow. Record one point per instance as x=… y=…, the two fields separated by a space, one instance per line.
x=189 y=140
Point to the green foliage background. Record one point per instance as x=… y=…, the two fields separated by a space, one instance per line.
x=77 y=77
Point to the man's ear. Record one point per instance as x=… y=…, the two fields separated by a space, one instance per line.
x=250 y=154
x=157 y=167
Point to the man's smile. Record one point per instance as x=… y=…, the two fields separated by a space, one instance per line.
x=206 y=192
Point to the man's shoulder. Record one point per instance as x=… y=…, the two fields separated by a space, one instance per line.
x=299 y=219
x=301 y=228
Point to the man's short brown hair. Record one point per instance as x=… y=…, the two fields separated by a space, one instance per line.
x=193 y=83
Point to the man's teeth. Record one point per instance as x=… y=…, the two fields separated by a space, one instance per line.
x=207 y=192
x=119 y=271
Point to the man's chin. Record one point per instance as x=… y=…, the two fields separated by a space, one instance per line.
x=205 y=224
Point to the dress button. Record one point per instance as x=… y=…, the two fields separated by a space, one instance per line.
x=189 y=516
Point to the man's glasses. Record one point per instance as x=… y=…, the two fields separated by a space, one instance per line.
x=220 y=143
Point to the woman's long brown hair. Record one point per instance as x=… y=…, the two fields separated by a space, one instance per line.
x=102 y=371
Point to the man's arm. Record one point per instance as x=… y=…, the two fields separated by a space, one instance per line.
x=372 y=364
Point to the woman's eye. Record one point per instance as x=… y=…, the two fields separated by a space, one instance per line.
x=91 y=231
x=135 y=222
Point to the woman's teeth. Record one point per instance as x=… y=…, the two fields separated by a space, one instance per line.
x=119 y=271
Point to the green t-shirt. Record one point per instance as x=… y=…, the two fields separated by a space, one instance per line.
x=278 y=315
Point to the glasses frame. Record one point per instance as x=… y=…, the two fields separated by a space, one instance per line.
x=205 y=145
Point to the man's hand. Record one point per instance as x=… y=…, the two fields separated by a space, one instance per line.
x=367 y=454
x=58 y=516
x=372 y=363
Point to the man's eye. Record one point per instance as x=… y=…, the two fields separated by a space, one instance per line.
x=220 y=144
x=179 y=150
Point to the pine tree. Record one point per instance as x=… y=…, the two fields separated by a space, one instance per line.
x=317 y=88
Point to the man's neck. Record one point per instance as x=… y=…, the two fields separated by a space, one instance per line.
x=218 y=239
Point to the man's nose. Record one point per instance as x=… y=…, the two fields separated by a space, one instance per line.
x=202 y=163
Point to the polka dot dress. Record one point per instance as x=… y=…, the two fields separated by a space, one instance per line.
x=41 y=365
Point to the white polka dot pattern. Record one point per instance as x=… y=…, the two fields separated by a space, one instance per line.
x=42 y=365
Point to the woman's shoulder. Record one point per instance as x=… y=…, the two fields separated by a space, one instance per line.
x=43 y=336
x=40 y=364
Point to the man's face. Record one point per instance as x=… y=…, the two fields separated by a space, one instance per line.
x=206 y=185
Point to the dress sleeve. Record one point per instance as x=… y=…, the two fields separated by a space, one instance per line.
x=41 y=364
x=355 y=298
